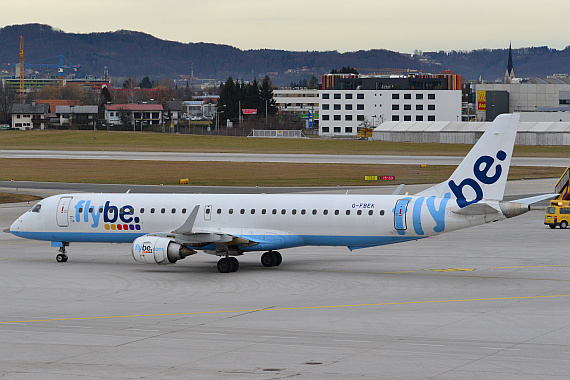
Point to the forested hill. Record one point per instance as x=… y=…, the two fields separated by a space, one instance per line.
x=127 y=53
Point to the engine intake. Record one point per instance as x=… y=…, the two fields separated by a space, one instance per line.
x=158 y=250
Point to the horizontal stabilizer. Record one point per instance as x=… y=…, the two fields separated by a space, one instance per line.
x=538 y=198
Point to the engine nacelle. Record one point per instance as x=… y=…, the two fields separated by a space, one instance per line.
x=158 y=250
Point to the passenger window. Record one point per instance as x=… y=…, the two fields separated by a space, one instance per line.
x=336 y=212
x=381 y=212
x=219 y=211
x=370 y=212
x=283 y=212
x=231 y=211
x=325 y=212
x=121 y=210
x=152 y=211
x=142 y=210
x=303 y=211
x=314 y=212
x=101 y=210
x=91 y=209
x=264 y=211
x=81 y=209
x=347 y=212
x=184 y=211
x=274 y=211
x=207 y=211
x=294 y=212
x=252 y=211
x=359 y=212
x=242 y=211
x=162 y=211
x=174 y=211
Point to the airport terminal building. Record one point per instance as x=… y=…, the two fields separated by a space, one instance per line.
x=354 y=102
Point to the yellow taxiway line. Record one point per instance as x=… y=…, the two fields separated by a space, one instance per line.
x=288 y=308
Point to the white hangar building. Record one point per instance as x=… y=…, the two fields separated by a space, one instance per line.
x=451 y=132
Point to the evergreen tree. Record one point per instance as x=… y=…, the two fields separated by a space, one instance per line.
x=106 y=96
x=267 y=96
x=313 y=83
x=145 y=83
x=228 y=101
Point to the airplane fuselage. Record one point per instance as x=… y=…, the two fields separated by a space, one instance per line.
x=275 y=221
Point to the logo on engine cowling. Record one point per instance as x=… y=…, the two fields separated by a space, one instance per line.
x=121 y=218
x=480 y=170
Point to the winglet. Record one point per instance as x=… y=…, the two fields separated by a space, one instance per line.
x=398 y=189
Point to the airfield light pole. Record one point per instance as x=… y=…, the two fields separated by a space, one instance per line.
x=218 y=115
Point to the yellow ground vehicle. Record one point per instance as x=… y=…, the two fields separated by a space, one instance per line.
x=558 y=214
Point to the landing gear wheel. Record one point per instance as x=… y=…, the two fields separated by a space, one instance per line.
x=553 y=226
x=225 y=265
x=235 y=264
x=278 y=258
x=563 y=224
x=268 y=259
x=61 y=257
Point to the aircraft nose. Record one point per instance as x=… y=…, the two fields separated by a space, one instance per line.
x=15 y=227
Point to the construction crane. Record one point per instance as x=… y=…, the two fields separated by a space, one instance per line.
x=62 y=64
x=22 y=72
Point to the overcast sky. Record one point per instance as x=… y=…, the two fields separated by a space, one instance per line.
x=300 y=25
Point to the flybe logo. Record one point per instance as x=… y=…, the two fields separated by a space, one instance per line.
x=113 y=217
x=481 y=171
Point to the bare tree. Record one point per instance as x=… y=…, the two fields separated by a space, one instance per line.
x=7 y=98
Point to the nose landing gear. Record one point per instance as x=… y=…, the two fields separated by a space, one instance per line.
x=61 y=257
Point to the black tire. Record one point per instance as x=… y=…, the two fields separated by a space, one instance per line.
x=278 y=258
x=235 y=264
x=553 y=226
x=563 y=224
x=225 y=265
x=61 y=258
x=268 y=259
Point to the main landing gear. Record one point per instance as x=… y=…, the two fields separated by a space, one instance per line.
x=228 y=264
x=271 y=259
x=231 y=264
x=62 y=256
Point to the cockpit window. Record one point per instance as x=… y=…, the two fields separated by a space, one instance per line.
x=36 y=208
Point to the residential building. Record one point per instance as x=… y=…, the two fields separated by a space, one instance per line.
x=175 y=110
x=77 y=115
x=136 y=114
x=29 y=116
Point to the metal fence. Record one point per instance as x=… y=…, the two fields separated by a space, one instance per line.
x=286 y=134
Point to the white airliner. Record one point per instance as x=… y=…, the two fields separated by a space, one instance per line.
x=164 y=228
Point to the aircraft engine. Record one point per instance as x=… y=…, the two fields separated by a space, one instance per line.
x=158 y=250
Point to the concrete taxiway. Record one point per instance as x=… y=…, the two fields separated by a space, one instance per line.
x=488 y=302
x=266 y=157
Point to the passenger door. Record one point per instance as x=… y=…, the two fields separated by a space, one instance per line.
x=400 y=214
x=62 y=213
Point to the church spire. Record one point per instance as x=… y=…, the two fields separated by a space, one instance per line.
x=510 y=73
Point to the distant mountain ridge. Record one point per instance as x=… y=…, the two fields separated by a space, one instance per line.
x=127 y=53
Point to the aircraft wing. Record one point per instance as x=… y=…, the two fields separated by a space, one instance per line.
x=189 y=235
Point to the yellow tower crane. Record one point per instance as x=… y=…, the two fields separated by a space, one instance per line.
x=22 y=71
